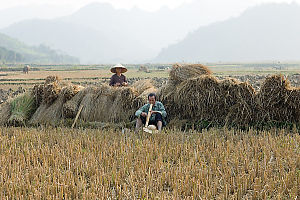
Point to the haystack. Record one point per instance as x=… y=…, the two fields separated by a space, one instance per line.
x=48 y=92
x=239 y=104
x=70 y=108
x=53 y=113
x=180 y=73
x=144 y=69
x=38 y=93
x=199 y=98
x=207 y=99
x=96 y=104
x=122 y=109
x=272 y=100
x=46 y=114
x=166 y=94
x=108 y=104
x=51 y=92
x=142 y=85
x=293 y=102
x=144 y=95
x=22 y=108
x=278 y=101
x=52 y=79
x=5 y=112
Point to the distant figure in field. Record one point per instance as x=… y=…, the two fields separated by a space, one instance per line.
x=118 y=79
x=26 y=69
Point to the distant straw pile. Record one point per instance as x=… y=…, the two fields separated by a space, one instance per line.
x=180 y=73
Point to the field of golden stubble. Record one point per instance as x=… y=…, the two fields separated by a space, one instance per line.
x=61 y=163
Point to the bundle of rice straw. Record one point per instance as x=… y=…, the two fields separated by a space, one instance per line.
x=5 y=112
x=293 y=102
x=38 y=93
x=142 y=85
x=52 y=79
x=181 y=73
x=46 y=114
x=166 y=94
x=22 y=108
x=48 y=92
x=70 y=108
x=272 y=100
x=51 y=92
x=122 y=108
x=109 y=104
x=199 y=98
x=206 y=98
x=53 y=113
x=143 y=97
x=239 y=102
x=96 y=104
x=69 y=91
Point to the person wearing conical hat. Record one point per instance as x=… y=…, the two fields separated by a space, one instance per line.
x=118 y=79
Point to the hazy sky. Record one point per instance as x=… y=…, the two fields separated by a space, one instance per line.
x=144 y=4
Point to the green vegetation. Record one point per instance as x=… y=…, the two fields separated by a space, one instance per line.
x=22 y=107
x=14 y=51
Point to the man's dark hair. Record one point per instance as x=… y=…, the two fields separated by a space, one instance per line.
x=152 y=95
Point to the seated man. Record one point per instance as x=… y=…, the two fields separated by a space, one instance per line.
x=158 y=113
x=118 y=79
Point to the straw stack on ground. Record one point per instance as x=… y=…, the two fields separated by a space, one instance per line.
x=70 y=108
x=142 y=85
x=229 y=102
x=193 y=94
x=278 y=101
x=54 y=95
x=239 y=102
x=5 y=112
x=143 y=88
x=178 y=74
x=96 y=103
x=109 y=104
x=199 y=98
x=122 y=109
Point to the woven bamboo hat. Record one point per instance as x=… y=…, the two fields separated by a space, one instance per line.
x=113 y=69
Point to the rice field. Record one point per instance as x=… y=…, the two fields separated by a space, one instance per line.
x=62 y=163
x=44 y=162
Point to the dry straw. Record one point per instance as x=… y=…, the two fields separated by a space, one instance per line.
x=181 y=73
x=178 y=74
x=142 y=85
x=229 y=102
x=55 y=94
x=5 y=112
x=278 y=101
x=109 y=104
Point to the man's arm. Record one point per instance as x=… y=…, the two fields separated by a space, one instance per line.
x=140 y=110
x=162 y=110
